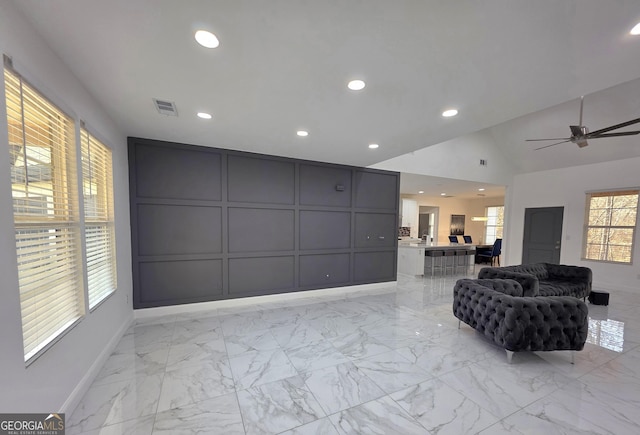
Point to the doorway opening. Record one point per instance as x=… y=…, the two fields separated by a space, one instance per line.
x=428 y=223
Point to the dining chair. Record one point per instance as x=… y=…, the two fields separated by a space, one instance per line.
x=492 y=255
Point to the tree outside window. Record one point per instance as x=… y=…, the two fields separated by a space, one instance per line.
x=610 y=226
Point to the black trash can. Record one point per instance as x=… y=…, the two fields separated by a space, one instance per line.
x=599 y=297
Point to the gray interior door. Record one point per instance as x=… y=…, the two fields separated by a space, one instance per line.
x=542 y=235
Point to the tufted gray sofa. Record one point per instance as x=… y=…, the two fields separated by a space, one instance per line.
x=545 y=279
x=497 y=309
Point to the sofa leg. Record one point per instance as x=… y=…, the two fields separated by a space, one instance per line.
x=573 y=357
x=509 y=356
x=458 y=324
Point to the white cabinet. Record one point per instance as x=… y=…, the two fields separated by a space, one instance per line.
x=410 y=215
x=410 y=260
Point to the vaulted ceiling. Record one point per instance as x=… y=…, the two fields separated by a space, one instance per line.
x=513 y=68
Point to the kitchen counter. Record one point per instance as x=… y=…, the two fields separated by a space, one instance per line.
x=434 y=245
x=411 y=257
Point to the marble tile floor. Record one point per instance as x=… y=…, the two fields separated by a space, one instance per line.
x=384 y=361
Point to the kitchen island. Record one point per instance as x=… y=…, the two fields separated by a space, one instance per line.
x=413 y=261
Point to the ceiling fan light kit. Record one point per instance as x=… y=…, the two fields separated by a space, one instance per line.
x=580 y=134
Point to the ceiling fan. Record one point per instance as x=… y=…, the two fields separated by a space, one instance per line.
x=580 y=133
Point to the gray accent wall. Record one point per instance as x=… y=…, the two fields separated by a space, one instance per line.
x=210 y=224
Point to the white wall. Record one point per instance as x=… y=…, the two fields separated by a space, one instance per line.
x=55 y=381
x=457 y=158
x=567 y=188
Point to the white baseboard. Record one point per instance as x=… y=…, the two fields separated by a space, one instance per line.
x=81 y=389
x=145 y=313
x=613 y=288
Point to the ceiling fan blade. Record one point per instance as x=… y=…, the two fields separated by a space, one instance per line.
x=613 y=127
x=553 y=144
x=624 y=133
x=552 y=138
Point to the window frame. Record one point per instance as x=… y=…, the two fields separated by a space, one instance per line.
x=587 y=226
x=98 y=172
x=44 y=136
x=487 y=224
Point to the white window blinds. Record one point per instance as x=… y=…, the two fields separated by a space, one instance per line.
x=45 y=206
x=97 y=188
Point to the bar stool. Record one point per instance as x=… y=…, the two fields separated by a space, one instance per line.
x=434 y=254
x=461 y=260
x=471 y=257
x=449 y=253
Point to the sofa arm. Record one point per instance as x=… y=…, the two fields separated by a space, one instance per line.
x=474 y=303
x=485 y=310
x=545 y=323
x=563 y=272
x=530 y=283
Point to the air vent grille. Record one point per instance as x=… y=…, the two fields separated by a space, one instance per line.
x=166 y=107
x=483 y=162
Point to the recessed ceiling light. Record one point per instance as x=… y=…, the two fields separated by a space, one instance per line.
x=207 y=39
x=481 y=189
x=443 y=194
x=449 y=113
x=204 y=115
x=635 y=30
x=356 y=85
x=420 y=191
x=302 y=133
x=373 y=146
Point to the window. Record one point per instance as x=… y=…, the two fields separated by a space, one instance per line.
x=46 y=215
x=610 y=226
x=495 y=222
x=97 y=189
